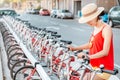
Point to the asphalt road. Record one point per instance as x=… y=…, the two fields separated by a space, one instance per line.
x=72 y=30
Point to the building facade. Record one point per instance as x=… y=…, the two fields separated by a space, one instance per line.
x=75 y=5
x=31 y=3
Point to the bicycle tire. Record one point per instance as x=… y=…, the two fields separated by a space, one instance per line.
x=18 y=64
x=12 y=46
x=12 y=42
x=7 y=34
x=10 y=53
x=3 y=32
x=7 y=37
x=14 y=60
x=18 y=75
x=9 y=40
x=7 y=46
x=1 y=24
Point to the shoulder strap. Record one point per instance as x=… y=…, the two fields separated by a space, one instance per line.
x=103 y=27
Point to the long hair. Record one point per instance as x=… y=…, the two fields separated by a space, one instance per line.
x=101 y=14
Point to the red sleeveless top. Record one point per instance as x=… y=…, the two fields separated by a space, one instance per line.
x=97 y=42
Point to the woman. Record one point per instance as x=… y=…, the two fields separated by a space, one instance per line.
x=100 y=44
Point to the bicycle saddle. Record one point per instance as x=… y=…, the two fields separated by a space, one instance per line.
x=67 y=42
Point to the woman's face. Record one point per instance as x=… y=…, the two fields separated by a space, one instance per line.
x=93 y=22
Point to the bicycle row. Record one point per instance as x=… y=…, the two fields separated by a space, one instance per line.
x=48 y=49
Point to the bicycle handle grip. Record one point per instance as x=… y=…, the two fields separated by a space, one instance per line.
x=77 y=52
x=113 y=72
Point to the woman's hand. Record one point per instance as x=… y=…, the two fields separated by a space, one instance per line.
x=71 y=48
x=81 y=54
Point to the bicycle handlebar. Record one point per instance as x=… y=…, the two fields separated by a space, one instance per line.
x=77 y=52
x=113 y=72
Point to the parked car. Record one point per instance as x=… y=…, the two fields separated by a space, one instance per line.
x=64 y=14
x=114 y=16
x=28 y=11
x=53 y=13
x=6 y=11
x=44 y=12
x=32 y=11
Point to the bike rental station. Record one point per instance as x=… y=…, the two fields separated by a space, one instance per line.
x=40 y=54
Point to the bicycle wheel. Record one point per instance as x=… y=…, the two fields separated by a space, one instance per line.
x=13 y=59
x=12 y=47
x=4 y=32
x=16 y=66
x=26 y=73
x=13 y=51
x=9 y=41
x=12 y=42
x=8 y=37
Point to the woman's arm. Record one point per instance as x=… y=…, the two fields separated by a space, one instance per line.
x=81 y=47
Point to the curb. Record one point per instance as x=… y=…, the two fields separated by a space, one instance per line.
x=1 y=69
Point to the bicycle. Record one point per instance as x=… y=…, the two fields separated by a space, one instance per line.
x=78 y=73
x=26 y=73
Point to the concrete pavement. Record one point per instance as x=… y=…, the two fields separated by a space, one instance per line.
x=1 y=69
x=1 y=72
x=4 y=71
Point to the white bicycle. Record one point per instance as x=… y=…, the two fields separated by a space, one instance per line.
x=80 y=66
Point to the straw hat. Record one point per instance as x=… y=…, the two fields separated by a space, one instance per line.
x=90 y=12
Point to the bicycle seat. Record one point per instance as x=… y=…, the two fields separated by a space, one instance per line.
x=52 y=32
x=24 y=21
x=66 y=42
x=43 y=29
x=56 y=36
x=31 y=27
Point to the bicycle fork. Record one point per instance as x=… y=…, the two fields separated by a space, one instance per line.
x=31 y=75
